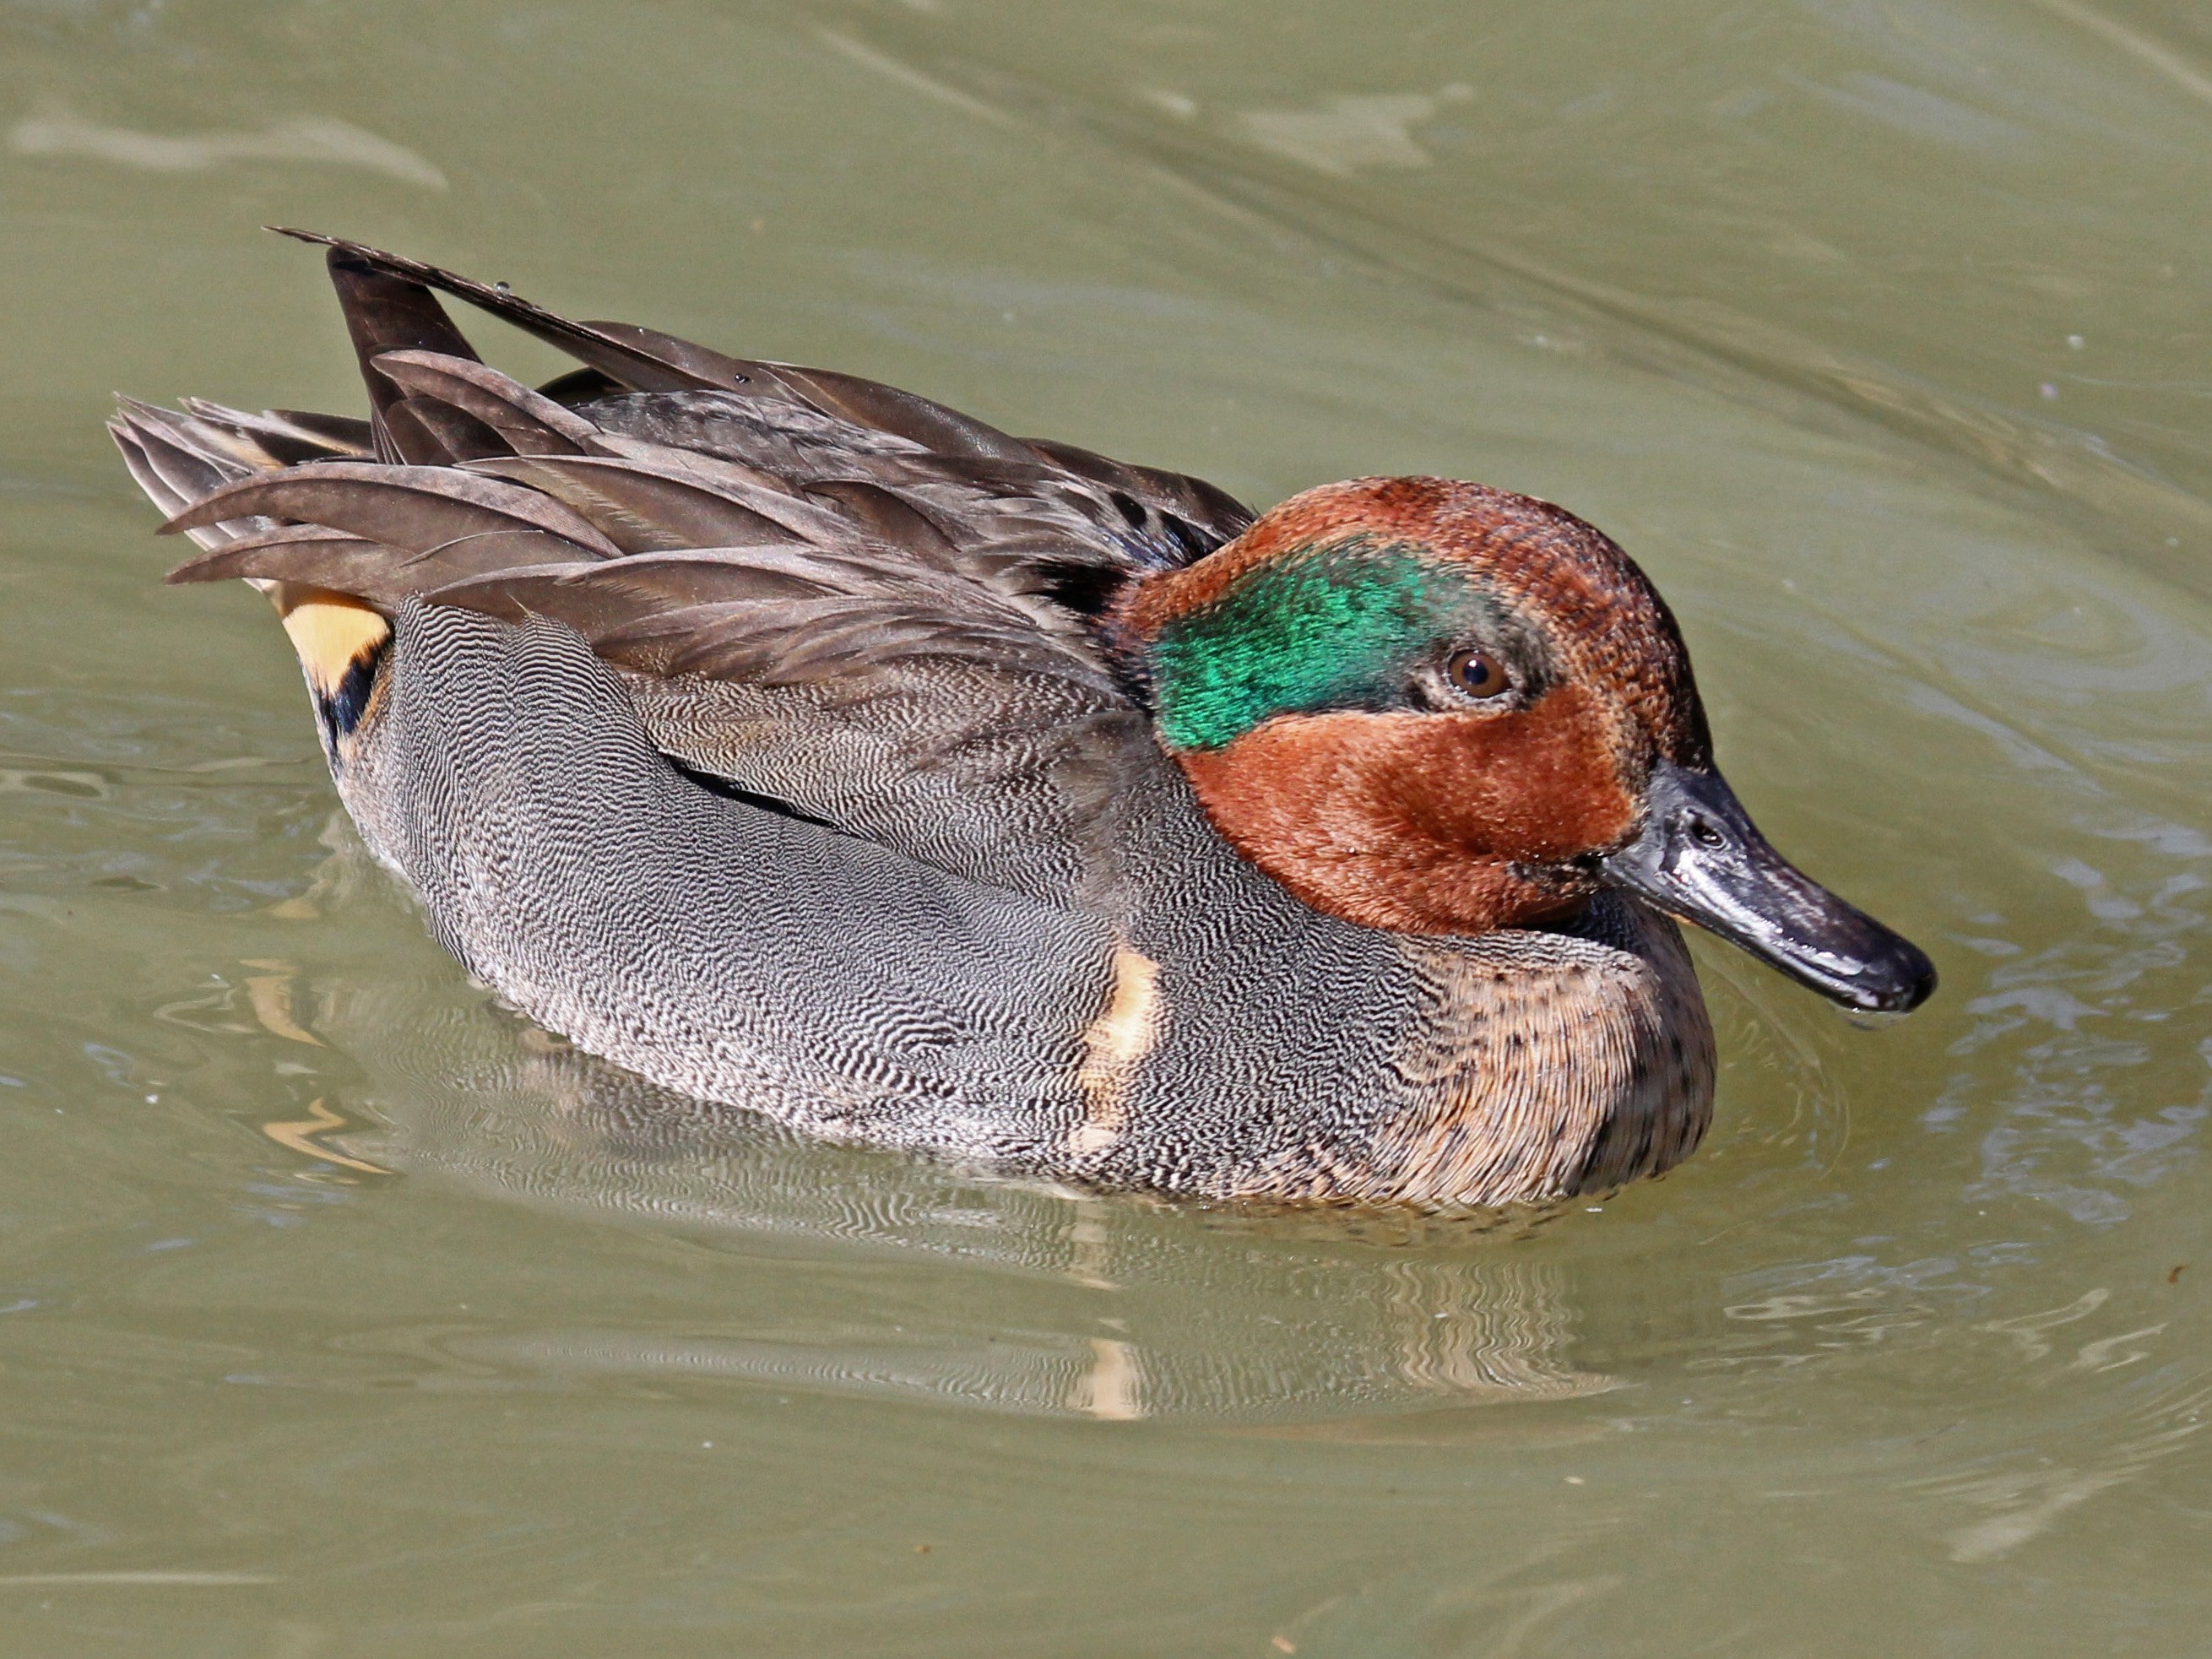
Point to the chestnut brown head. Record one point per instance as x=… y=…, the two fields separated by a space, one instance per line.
x=1432 y=706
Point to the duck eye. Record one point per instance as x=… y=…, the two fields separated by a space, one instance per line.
x=1476 y=674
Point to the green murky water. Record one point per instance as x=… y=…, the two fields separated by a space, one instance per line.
x=340 y=1315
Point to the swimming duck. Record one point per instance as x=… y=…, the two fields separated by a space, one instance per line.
x=807 y=746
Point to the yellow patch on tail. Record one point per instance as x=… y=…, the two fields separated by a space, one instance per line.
x=332 y=632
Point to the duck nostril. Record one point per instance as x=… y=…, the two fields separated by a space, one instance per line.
x=1706 y=833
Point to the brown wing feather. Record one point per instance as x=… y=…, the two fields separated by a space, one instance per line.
x=1160 y=518
x=658 y=506
x=417 y=508
x=784 y=615
x=376 y=573
x=529 y=422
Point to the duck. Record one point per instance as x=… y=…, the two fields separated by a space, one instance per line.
x=811 y=749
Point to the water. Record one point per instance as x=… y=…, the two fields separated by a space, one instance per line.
x=342 y=1314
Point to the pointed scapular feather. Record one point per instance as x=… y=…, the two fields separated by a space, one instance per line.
x=631 y=587
x=1216 y=516
x=887 y=409
x=884 y=515
x=592 y=598
x=414 y=508
x=303 y=552
x=926 y=684
x=791 y=441
x=530 y=424
x=435 y=434
x=646 y=506
x=371 y=571
x=744 y=479
x=1015 y=526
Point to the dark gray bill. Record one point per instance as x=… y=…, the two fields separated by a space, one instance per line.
x=1699 y=857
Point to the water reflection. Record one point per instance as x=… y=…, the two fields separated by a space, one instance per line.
x=2012 y=1506
x=1061 y=1302
x=1163 y=1320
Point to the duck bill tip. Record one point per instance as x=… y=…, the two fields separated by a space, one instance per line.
x=1700 y=858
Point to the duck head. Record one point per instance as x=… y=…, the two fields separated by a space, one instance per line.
x=1435 y=708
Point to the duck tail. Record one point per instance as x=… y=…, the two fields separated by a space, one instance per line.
x=181 y=457
x=323 y=583
x=386 y=311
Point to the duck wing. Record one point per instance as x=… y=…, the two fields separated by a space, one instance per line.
x=827 y=596
x=920 y=713
x=810 y=425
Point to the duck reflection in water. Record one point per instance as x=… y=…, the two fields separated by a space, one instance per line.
x=1008 y=1294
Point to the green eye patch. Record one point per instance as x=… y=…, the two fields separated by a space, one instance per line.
x=1334 y=627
